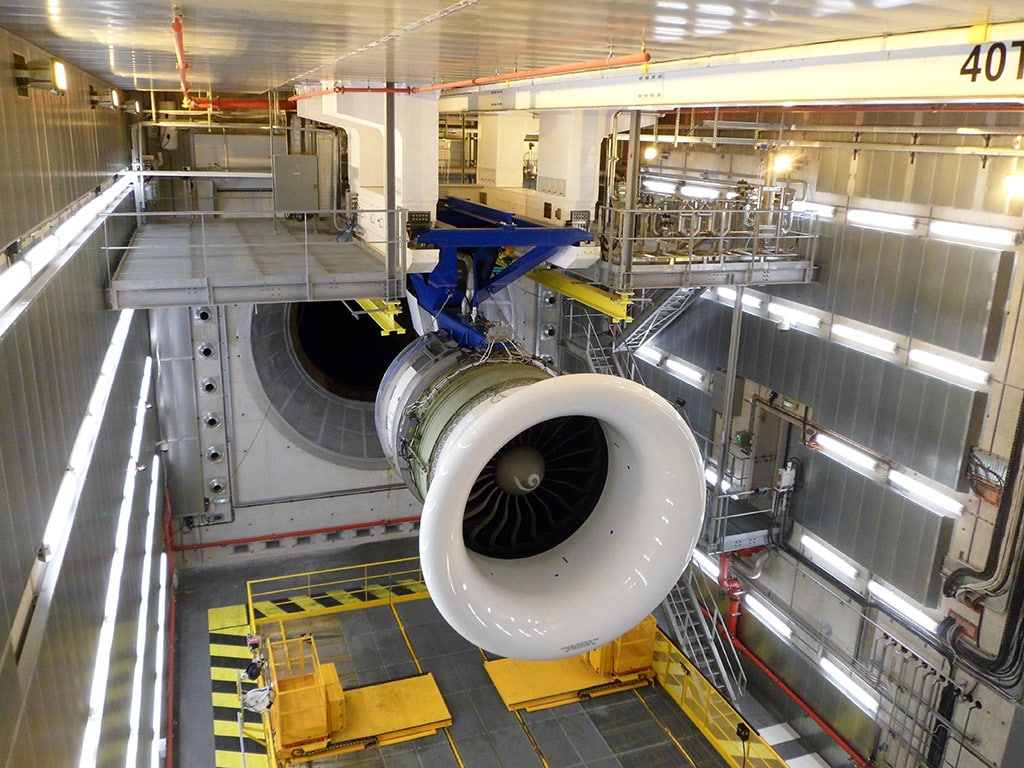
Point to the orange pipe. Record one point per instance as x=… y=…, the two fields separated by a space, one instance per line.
x=179 y=52
x=735 y=591
x=346 y=89
x=220 y=102
x=561 y=69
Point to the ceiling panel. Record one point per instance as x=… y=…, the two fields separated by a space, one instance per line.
x=253 y=45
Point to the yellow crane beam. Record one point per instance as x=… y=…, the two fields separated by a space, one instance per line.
x=383 y=313
x=615 y=305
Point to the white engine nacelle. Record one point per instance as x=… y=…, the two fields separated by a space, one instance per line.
x=557 y=511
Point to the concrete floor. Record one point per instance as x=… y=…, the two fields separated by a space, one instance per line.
x=642 y=728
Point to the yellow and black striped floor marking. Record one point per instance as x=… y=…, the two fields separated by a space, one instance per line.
x=338 y=600
x=229 y=654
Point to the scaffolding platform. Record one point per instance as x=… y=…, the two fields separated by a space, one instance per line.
x=228 y=258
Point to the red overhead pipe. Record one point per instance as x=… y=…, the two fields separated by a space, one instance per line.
x=346 y=89
x=220 y=102
x=179 y=52
x=560 y=69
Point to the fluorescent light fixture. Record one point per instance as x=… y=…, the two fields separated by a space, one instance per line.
x=894 y=222
x=13 y=280
x=650 y=354
x=659 y=186
x=925 y=494
x=673 y=21
x=844 y=452
x=827 y=557
x=947 y=366
x=105 y=645
x=959 y=232
x=863 y=338
x=700 y=191
x=37 y=258
x=855 y=690
x=818 y=209
x=142 y=633
x=729 y=294
x=158 y=664
x=902 y=606
x=669 y=33
x=672 y=5
x=794 y=315
x=706 y=564
x=768 y=617
x=684 y=370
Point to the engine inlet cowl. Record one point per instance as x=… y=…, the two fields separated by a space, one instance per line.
x=557 y=511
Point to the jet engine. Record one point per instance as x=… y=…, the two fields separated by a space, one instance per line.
x=558 y=511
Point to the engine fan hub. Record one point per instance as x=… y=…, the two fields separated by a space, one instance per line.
x=519 y=470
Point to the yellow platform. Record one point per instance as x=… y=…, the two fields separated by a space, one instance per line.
x=533 y=685
x=387 y=713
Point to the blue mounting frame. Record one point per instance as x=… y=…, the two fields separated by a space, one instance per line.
x=481 y=233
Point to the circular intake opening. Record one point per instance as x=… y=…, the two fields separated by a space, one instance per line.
x=538 y=489
x=319 y=365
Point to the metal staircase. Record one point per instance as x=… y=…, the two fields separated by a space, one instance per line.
x=695 y=619
x=667 y=305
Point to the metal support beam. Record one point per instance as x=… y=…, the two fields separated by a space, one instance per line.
x=384 y=313
x=615 y=305
x=625 y=277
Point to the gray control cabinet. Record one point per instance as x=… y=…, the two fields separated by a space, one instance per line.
x=295 y=183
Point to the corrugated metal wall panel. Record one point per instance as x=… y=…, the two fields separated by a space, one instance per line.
x=50 y=145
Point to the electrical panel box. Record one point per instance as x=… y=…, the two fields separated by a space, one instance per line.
x=295 y=183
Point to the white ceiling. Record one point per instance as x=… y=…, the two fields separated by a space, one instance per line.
x=250 y=46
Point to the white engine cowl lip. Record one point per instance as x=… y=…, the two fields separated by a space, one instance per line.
x=614 y=570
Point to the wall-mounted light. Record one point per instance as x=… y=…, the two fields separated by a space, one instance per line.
x=108 y=98
x=43 y=74
x=948 y=367
x=925 y=495
x=903 y=607
x=650 y=152
x=843 y=452
x=974 y=234
x=891 y=222
x=795 y=316
x=855 y=690
x=863 y=338
x=659 y=186
x=729 y=295
x=827 y=558
x=768 y=617
x=1013 y=185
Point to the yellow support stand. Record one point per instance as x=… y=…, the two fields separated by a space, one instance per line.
x=621 y=665
x=384 y=314
x=311 y=717
x=615 y=305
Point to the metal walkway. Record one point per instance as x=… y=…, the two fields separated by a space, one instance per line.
x=218 y=258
